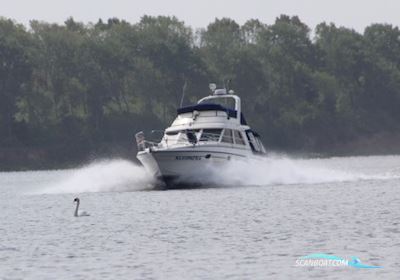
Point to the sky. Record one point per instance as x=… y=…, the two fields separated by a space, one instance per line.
x=356 y=14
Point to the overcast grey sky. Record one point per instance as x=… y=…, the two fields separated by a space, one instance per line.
x=355 y=14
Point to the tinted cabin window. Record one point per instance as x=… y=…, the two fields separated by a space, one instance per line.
x=227 y=137
x=210 y=135
x=170 y=133
x=254 y=144
x=181 y=136
x=239 y=138
x=260 y=145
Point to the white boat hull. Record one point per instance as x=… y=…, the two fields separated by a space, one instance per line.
x=188 y=166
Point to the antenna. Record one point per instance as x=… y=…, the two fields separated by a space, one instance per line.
x=227 y=84
x=183 y=91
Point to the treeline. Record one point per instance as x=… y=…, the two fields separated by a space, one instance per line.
x=75 y=87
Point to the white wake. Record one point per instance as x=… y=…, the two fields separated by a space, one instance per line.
x=283 y=170
x=116 y=175
x=119 y=175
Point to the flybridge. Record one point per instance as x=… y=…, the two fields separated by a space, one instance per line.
x=212 y=107
x=216 y=102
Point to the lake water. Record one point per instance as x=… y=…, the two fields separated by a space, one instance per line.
x=289 y=208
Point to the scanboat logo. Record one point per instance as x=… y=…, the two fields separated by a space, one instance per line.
x=325 y=260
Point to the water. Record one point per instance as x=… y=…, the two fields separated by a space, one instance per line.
x=292 y=207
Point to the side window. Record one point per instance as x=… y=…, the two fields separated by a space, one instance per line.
x=210 y=135
x=260 y=144
x=227 y=136
x=253 y=142
x=238 y=138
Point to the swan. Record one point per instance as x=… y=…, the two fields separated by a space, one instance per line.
x=76 y=214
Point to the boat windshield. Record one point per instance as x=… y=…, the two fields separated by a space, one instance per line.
x=210 y=135
x=194 y=136
x=181 y=136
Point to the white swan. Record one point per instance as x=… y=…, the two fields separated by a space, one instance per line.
x=76 y=214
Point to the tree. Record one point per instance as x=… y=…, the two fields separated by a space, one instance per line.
x=15 y=71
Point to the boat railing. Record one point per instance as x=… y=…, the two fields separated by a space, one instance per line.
x=178 y=142
x=142 y=143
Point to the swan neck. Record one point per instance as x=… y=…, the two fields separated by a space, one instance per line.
x=76 y=209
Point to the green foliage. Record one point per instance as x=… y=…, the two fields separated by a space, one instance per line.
x=87 y=84
x=15 y=71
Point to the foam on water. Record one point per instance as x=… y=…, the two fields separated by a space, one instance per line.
x=102 y=176
x=121 y=175
x=283 y=171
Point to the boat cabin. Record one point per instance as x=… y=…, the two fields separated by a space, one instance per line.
x=214 y=120
x=215 y=136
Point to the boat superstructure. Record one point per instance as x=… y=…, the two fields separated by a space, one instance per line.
x=200 y=141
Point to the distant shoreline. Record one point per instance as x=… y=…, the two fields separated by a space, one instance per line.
x=58 y=157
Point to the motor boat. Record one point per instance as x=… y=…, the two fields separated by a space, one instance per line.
x=201 y=140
